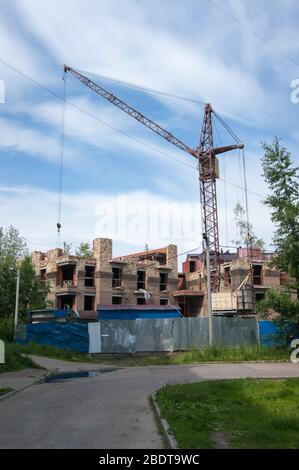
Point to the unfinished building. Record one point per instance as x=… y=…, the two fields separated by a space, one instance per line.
x=245 y=277
x=148 y=277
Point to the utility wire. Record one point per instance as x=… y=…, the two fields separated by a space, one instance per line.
x=142 y=88
x=254 y=33
x=87 y=113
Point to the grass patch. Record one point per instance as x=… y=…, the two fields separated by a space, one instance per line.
x=53 y=352
x=14 y=361
x=195 y=356
x=4 y=391
x=246 y=413
x=230 y=354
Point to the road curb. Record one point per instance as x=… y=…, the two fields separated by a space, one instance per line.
x=14 y=392
x=171 y=441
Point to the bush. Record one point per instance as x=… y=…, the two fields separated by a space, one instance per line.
x=286 y=315
x=14 y=361
x=6 y=328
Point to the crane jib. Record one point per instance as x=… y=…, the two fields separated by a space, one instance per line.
x=208 y=165
x=131 y=111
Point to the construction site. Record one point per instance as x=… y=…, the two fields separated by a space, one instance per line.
x=210 y=283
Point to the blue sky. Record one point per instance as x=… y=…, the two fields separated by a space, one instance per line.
x=188 y=48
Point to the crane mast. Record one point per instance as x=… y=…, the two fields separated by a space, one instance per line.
x=205 y=154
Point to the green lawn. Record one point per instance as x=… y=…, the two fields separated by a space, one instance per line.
x=244 y=413
x=4 y=391
x=194 y=356
x=14 y=361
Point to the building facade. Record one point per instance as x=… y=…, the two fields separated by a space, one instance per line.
x=151 y=277
x=245 y=277
x=148 y=277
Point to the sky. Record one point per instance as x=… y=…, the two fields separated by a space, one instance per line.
x=119 y=179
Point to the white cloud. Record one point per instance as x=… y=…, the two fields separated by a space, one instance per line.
x=123 y=40
x=83 y=129
x=175 y=46
x=131 y=219
x=24 y=139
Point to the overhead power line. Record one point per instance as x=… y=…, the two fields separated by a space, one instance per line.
x=254 y=33
x=87 y=113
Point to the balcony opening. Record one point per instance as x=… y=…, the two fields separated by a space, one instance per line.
x=140 y=301
x=117 y=277
x=163 y=301
x=259 y=296
x=66 y=276
x=257 y=274
x=43 y=274
x=88 y=303
x=192 y=266
x=117 y=300
x=227 y=275
x=141 y=275
x=163 y=281
x=66 y=302
x=89 y=276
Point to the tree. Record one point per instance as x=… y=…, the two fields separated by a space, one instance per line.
x=33 y=291
x=67 y=248
x=84 y=250
x=282 y=178
x=284 y=311
x=12 y=247
x=12 y=244
x=244 y=229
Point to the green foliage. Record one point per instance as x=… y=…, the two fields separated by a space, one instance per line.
x=67 y=248
x=4 y=391
x=245 y=230
x=195 y=356
x=47 y=350
x=33 y=291
x=14 y=360
x=287 y=320
x=84 y=250
x=12 y=245
x=282 y=178
x=6 y=328
x=243 y=413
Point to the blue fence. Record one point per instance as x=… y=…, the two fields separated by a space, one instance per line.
x=267 y=330
x=61 y=335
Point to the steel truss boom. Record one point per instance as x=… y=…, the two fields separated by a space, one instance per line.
x=205 y=153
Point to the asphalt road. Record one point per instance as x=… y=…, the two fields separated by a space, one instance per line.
x=109 y=410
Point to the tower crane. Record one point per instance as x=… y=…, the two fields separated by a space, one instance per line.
x=205 y=154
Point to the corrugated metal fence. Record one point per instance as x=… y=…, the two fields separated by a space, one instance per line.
x=141 y=335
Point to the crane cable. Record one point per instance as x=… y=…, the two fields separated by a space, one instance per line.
x=249 y=235
x=61 y=155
